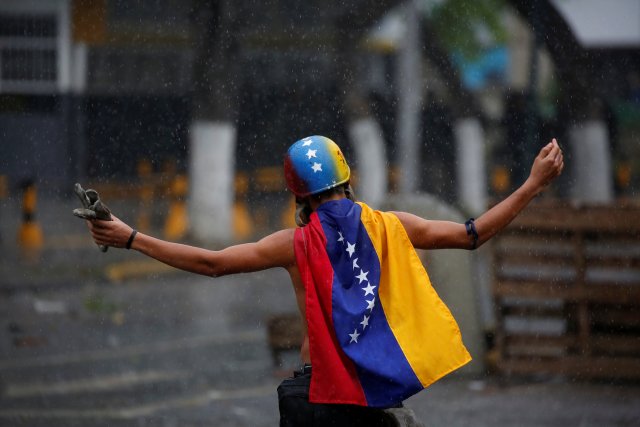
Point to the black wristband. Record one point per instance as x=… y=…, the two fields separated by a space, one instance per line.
x=130 y=241
x=470 y=225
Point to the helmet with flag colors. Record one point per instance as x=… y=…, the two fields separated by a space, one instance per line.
x=314 y=164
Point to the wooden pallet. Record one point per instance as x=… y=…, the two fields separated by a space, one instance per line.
x=567 y=292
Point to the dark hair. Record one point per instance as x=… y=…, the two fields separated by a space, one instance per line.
x=303 y=206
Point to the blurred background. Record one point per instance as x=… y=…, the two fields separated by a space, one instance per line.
x=179 y=113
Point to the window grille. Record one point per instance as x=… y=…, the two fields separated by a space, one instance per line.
x=28 y=52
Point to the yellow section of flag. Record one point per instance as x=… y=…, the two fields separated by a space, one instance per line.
x=420 y=321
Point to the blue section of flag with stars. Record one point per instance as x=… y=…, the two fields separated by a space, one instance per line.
x=358 y=317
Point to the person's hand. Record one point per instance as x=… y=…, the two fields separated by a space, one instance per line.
x=92 y=207
x=547 y=166
x=114 y=233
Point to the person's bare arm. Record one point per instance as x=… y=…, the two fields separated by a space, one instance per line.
x=275 y=250
x=428 y=234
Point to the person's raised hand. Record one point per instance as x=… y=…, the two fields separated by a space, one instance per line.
x=92 y=207
x=113 y=233
x=547 y=165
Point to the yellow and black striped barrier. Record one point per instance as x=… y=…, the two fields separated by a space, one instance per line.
x=177 y=223
x=30 y=238
x=146 y=193
x=4 y=187
x=242 y=222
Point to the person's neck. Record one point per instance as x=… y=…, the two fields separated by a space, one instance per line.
x=315 y=202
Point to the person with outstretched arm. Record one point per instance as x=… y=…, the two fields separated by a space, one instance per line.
x=375 y=331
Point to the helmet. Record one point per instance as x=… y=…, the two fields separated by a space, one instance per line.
x=314 y=164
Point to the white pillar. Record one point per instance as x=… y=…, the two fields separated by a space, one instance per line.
x=471 y=170
x=370 y=158
x=78 y=69
x=592 y=176
x=64 y=46
x=409 y=83
x=471 y=179
x=211 y=168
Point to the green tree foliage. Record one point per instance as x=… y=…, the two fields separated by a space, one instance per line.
x=461 y=23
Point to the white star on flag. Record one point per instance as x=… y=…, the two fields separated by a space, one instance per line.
x=368 y=290
x=317 y=167
x=362 y=276
x=351 y=248
x=311 y=153
x=307 y=142
x=371 y=303
x=365 y=322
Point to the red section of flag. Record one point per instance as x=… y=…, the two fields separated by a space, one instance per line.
x=334 y=378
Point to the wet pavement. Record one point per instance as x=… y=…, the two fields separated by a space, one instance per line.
x=168 y=348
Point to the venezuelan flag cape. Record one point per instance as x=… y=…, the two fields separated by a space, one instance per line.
x=378 y=332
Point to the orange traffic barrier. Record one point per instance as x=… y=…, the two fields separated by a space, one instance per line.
x=177 y=222
x=288 y=217
x=4 y=187
x=242 y=223
x=623 y=175
x=500 y=179
x=30 y=238
x=145 y=170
